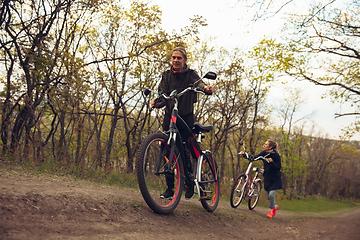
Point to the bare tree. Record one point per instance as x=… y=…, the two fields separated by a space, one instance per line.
x=265 y=9
x=33 y=52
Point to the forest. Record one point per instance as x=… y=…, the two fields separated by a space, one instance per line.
x=73 y=74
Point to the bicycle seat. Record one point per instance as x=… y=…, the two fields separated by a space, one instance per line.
x=201 y=128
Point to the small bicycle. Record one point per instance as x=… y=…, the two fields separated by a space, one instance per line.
x=247 y=185
x=164 y=153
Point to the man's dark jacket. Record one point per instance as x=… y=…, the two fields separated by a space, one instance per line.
x=179 y=81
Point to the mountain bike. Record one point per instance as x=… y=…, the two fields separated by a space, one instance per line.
x=164 y=154
x=247 y=185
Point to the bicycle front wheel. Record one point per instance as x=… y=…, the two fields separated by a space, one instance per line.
x=254 y=195
x=209 y=183
x=153 y=174
x=238 y=191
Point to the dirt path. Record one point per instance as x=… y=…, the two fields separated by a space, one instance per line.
x=51 y=207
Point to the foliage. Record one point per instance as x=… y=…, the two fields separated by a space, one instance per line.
x=72 y=97
x=293 y=166
x=322 y=47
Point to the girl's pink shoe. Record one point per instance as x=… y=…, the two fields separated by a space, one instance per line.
x=270 y=214
x=274 y=210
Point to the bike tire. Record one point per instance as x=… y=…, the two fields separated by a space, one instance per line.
x=238 y=191
x=209 y=183
x=151 y=166
x=255 y=195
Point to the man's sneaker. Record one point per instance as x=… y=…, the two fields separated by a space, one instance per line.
x=189 y=192
x=168 y=194
x=274 y=210
x=270 y=214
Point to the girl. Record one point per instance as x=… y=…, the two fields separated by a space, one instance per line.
x=272 y=174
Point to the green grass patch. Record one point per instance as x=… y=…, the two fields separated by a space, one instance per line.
x=121 y=179
x=50 y=167
x=309 y=204
x=315 y=205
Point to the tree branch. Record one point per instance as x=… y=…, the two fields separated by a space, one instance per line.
x=337 y=115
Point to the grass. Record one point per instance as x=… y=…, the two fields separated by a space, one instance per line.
x=315 y=205
x=114 y=178
x=309 y=204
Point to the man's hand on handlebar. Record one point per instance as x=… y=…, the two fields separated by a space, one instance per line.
x=155 y=102
x=209 y=89
x=152 y=103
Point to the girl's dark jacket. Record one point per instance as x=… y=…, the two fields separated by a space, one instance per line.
x=272 y=174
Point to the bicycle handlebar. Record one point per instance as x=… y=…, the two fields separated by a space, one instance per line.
x=261 y=158
x=251 y=157
x=175 y=94
x=209 y=75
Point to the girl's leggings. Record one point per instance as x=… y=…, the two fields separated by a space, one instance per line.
x=271 y=197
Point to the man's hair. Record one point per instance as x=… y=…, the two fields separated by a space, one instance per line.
x=180 y=49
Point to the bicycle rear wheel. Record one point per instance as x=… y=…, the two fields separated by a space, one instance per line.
x=238 y=191
x=151 y=166
x=209 y=183
x=254 y=195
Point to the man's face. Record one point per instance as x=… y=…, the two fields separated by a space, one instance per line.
x=178 y=60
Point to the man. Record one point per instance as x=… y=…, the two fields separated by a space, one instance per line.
x=178 y=77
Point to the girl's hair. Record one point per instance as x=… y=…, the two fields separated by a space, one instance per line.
x=180 y=49
x=273 y=145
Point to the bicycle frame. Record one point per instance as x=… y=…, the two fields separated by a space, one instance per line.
x=175 y=139
x=249 y=179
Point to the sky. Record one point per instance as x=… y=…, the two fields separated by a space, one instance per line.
x=229 y=22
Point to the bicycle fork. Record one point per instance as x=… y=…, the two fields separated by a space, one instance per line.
x=199 y=162
x=174 y=141
x=172 y=138
x=252 y=186
x=199 y=180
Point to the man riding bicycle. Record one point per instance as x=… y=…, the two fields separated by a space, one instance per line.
x=178 y=77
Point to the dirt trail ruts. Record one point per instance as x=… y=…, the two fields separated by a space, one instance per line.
x=53 y=207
